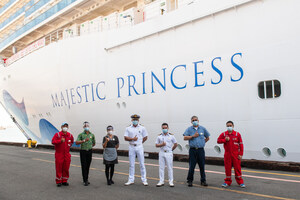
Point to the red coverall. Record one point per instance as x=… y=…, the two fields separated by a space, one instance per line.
x=233 y=148
x=62 y=155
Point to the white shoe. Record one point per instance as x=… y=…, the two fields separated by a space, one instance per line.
x=171 y=184
x=145 y=183
x=159 y=184
x=128 y=183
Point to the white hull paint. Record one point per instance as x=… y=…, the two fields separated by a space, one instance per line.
x=259 y=37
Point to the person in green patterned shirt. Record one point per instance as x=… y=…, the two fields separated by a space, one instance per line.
x=86 y=139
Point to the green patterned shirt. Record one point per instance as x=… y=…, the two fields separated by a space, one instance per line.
x=88 y=144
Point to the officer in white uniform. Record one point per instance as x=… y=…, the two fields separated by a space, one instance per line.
x=136 y=135
x=167 y=143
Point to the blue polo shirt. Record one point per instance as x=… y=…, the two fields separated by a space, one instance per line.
x=198 y=142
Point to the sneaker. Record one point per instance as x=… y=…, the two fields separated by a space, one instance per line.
x=225 y=185
x=145 y=183
x=190 y=184
x=171 y=184
x=128 y=183
x=85 y=183
x=159 y=184
x=242 y=185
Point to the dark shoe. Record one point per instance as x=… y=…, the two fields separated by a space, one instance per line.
x=86 y=184
x=190 y=184
x=112 y=182
x=204 y=183
x=58 y=184
x=65 y=184
x=108 y=182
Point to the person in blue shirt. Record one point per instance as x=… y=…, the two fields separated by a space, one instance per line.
x=197 y=136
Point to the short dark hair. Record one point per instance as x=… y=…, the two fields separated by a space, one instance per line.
x=110 y=127
x=165 y=124
x=230 y=122
x=194 y=117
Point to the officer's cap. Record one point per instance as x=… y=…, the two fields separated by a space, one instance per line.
x=65 y=124
x=135 y=116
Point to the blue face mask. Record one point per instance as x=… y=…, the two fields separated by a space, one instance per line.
x=229 y=129
x=195 y=123
x=135 y=122
x=165 y=131
x=86 y=128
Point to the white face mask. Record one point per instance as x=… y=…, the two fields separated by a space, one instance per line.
x=229 y=128
x=110 y=132
x=65 y=129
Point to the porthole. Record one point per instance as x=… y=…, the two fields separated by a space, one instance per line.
x=267 y=152
x=187 y=147
x=281 y=152
x=179 y=147
x=217 y=149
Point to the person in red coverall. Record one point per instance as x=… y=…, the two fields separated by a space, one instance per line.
x=62 y=141
x=234 y=149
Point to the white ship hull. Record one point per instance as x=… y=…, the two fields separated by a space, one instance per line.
x=208 y=65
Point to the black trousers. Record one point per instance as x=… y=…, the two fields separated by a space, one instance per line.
x=196 y=156
x=85 y=159
x=109 y=171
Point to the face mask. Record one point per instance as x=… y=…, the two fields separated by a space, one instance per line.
x=65 y=129
x=195 y=123
x=165 y=130
x=109 y=132
x=135 y=122
x=229 y=129
x=86 y=128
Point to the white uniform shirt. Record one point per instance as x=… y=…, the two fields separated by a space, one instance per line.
x=168 y=139
x=138 y=131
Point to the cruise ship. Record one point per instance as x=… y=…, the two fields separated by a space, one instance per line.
x=103 y=60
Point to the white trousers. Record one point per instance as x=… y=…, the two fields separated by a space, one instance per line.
x=139 y=152
x=165 y=159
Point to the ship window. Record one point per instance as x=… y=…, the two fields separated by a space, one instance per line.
x=261 y=90
x=269 y=89
x=267 y=152
x=217 y=149
x=281 y=152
